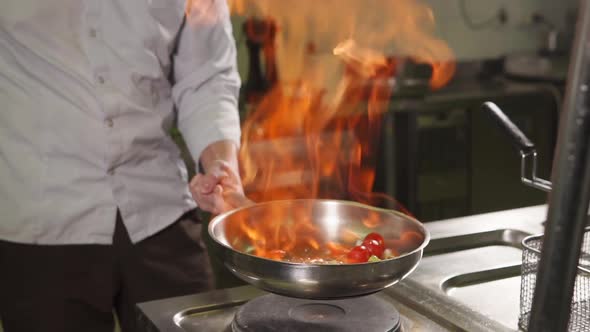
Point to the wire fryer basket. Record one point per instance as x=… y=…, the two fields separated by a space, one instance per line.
x=580 y=308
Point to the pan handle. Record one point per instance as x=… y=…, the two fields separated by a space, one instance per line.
x=517 y=137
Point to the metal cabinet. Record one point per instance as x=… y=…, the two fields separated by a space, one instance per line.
x=442 y=157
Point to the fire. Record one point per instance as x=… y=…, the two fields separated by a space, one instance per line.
x=314 y=134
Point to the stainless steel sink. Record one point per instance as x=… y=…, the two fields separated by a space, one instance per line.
x=504 y=282
x=476 y=273
x=500 y=237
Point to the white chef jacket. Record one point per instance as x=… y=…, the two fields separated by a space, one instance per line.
x=86 y=109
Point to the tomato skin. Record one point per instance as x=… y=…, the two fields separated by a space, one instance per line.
x=374 y=247
x=377 y=237
x=358 y=254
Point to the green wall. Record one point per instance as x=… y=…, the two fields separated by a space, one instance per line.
x=516 y=35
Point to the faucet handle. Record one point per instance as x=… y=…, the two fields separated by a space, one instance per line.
x=523 y=144
x=517 y=137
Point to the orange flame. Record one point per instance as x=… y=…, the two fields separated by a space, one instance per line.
x=315 y=133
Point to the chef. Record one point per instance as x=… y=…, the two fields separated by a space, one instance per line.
x=97 y=213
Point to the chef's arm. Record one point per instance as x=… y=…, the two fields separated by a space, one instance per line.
x=225 y=150
x=207 y=84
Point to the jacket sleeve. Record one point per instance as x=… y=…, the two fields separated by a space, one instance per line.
x=207 y=81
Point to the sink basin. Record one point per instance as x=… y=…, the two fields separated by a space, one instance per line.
x=503 y=282
x=503 y=237
x=469 y=278
x=479 y=271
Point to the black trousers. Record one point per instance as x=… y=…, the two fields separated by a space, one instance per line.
x=77 y=287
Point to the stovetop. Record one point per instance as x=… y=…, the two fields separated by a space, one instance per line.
x=215 y=311
x=432 y=298
x=274 y=312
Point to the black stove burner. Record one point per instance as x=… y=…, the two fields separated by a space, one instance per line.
x=279 y=313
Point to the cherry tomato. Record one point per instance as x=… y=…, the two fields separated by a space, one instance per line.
x=374 y=247
x=377 y=237
x=358 y=254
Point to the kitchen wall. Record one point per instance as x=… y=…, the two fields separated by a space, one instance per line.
x=516 y=35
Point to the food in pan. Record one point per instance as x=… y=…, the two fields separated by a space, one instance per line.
x=300 y=234
x=370 y=248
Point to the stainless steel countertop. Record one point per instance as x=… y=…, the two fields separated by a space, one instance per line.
x=527 y=219
x=214 y=311
x=459 y=246
x=425 y=291
x=495 y=305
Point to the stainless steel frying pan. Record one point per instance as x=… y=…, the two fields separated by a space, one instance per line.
x=320 y=281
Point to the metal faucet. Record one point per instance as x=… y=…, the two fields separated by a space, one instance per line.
x=525 y=146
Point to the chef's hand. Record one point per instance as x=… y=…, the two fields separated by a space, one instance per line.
x=219 y=189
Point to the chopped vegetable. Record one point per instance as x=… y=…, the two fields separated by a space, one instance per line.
x=409 y=241
x=389 y=253
x=374 y=258
x=371 y=248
